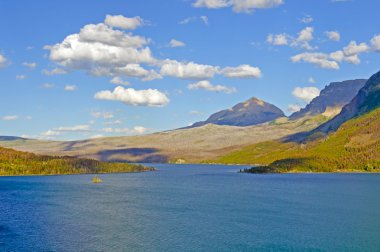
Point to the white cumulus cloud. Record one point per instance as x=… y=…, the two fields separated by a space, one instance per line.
x=176 y=43
x=3 y=61
x=212 y=4
x=100 y=50
x=306 y=94
x=206 y=85
x=126 y=23
x=322 y=60
x=242 y=71
x=278 y=39
x=375 y=43
x=130 y=96
x=333 y=35
x=187 y=70
x=119 y=81
x=246 y=6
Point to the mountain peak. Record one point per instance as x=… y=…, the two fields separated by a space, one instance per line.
x=250 y=112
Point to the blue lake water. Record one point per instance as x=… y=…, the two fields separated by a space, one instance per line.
x=191 y=208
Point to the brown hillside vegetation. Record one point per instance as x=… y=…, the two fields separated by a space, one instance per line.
x=183 y=145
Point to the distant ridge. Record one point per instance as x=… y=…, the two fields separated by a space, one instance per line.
x=331 y=99
x=251 y=112
x=367 y=99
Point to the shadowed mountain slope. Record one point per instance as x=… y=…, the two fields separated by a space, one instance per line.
x=331 y=99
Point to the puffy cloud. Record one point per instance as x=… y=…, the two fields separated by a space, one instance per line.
x=242 y=71
x=304 y=37
x=249 y=5
x=211 y=4
x=70 y=88
x=101 y=33
x=302 y=40
x=294 y=108
x=333 y=35
x=104 y=115
x=130 y=96
x=20 y=77
x=187 y=70
x=246 y=6
x=355 y=49
x=3 y=61
x=320 y=59
x=306 y=34
x=9 y=118
x=54 y=71
x=176 y=43
x=120 y=21
x=30 y=65
x=375 y=43
x=349 y=53
x=278 y=39
x=306 y=94
x=139 y=130
x=119 y=81
x=100 y=50
x=135 y=70
x=206 y=85
x=340 y=56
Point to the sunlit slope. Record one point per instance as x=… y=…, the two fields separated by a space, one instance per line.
x=355 y=146
x=184 y=145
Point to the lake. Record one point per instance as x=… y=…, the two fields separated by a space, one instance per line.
x=191 y=208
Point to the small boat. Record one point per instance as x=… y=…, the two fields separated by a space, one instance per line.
x=96 y=180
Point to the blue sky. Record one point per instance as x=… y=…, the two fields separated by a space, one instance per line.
x=183 y=60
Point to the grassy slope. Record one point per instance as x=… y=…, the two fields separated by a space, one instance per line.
x=355 y=146
x=191 y=145
x=23 y=163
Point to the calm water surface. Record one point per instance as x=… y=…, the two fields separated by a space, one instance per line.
x=191 y=208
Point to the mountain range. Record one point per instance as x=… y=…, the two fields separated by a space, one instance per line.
x=250 y=132
x=349 y=142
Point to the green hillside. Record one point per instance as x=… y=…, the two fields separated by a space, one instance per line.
x=354 y=147
x=23 y=163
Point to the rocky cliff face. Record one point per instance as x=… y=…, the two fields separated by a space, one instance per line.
x=331 y=99
x=251 y=112
x=367 y=99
